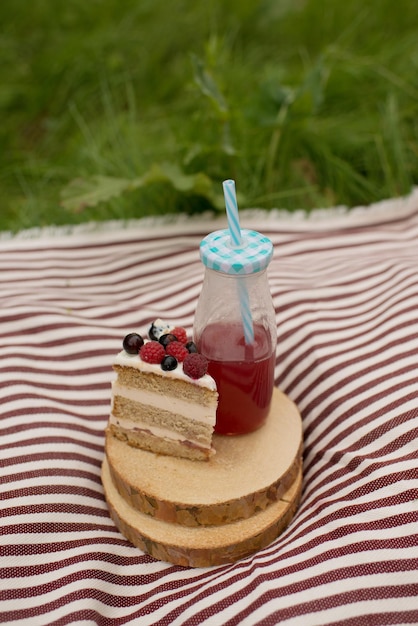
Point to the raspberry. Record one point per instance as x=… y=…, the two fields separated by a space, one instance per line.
x=176 y=349
x=180 y=333
x=195 y=365
x=152 y=352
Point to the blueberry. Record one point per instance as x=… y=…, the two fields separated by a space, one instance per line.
x=166 y=339
x=191 y=346
x=132 y=343
x=169 y=363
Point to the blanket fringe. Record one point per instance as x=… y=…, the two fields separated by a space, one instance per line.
x=342 y=216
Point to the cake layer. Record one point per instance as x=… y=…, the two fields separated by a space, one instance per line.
x=135 y=363
x=125 y=410
x=159 y=431
x=160 y=404
x=154 y=382
x=158 y=444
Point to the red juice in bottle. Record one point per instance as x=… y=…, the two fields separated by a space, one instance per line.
x=244 y=375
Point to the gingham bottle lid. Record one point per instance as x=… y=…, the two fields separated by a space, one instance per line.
x=217 y=252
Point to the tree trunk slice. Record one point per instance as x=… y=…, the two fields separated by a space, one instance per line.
x=201 y=546
x=247 y=474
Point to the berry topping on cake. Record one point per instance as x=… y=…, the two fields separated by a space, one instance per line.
x=152 y=352
x=180 y=333
x=195 y=365
x=166 y=339
x=159 y=328
x=169 y=363
x=178 y=350
x=167 y=347
x=132 y=343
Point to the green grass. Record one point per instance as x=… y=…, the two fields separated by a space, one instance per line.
x=124 y=108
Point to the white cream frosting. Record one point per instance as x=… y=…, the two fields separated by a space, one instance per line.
x=196 y=412
x=133 y=360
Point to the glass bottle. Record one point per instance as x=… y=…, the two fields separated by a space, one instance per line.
x=235 y=328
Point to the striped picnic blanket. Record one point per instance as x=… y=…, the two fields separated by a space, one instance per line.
x=345 y=290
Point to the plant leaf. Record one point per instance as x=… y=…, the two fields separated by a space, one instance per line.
x=171 y=173
x=208 y=86
x=89 y=192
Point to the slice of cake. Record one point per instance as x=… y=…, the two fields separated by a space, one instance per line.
x=162 y=399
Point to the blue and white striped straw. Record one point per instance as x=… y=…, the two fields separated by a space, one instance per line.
x=236 y=239
x=232 y=212
x=246 y=317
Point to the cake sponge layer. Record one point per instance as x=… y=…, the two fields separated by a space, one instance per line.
x=149 y=381
x=149 y=442
x=143 y=416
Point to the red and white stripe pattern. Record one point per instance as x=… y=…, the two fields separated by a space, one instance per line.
x=345 y=290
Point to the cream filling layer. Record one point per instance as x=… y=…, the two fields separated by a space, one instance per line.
x=157 y=431
x=195 y=412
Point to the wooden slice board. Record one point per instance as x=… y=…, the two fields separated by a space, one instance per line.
x=246 y=474
x=203 y=546
x=200 y=513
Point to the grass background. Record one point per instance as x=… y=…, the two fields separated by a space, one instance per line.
x=124 y=108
